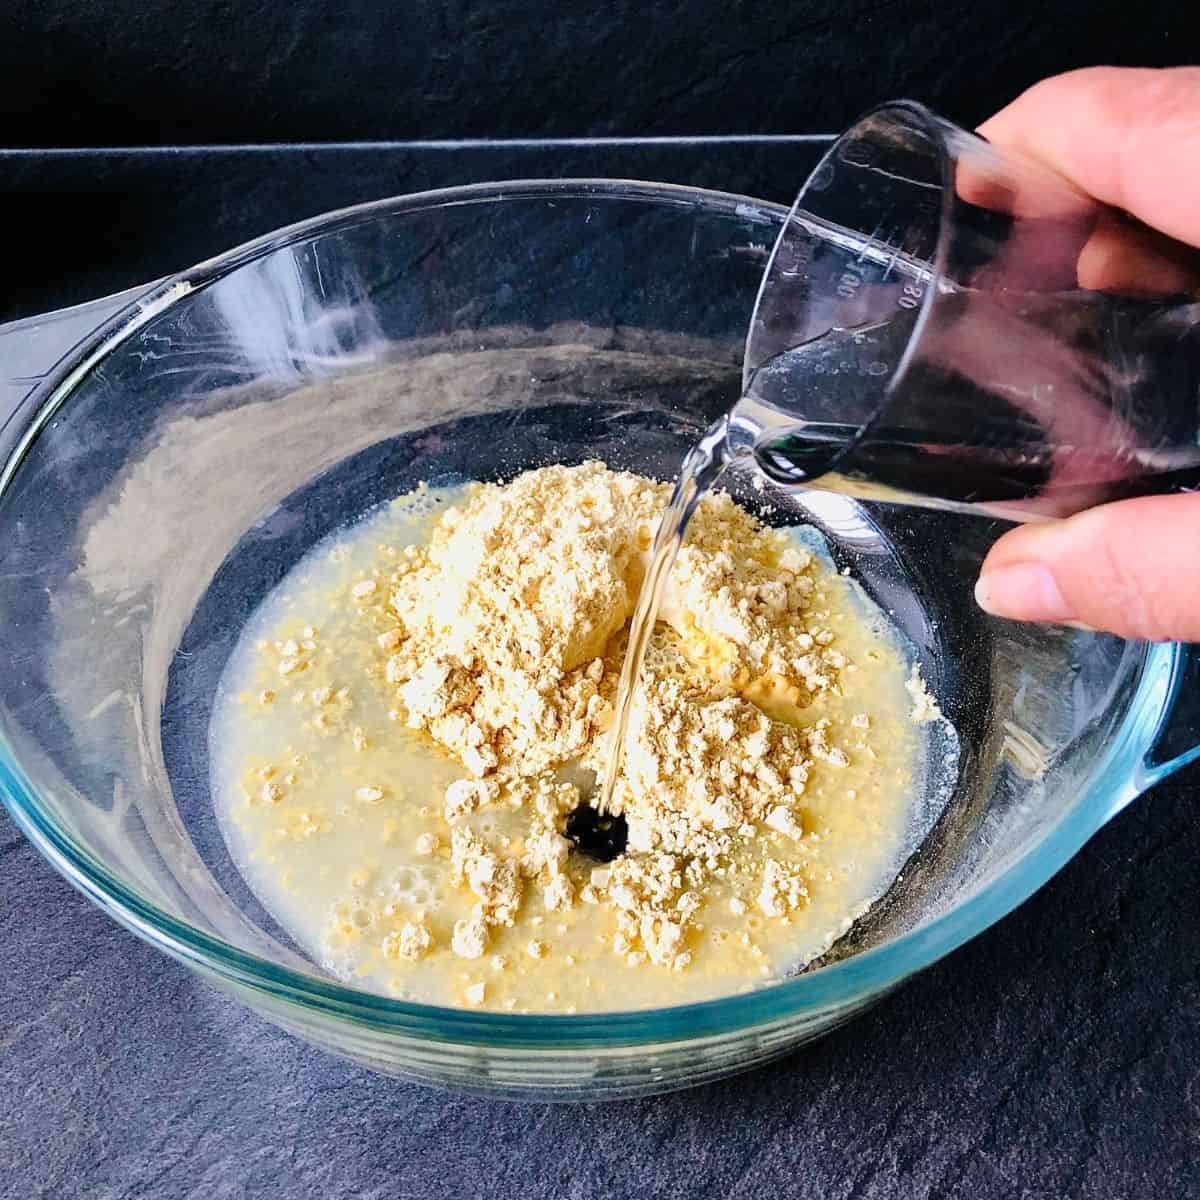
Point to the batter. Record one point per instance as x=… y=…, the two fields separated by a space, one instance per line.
x=408 y=733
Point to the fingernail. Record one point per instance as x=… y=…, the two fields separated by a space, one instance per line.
x=1024 y=591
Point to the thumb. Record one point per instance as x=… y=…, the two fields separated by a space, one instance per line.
x=1131 y=568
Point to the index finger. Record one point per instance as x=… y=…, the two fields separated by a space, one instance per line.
x=1129 y=137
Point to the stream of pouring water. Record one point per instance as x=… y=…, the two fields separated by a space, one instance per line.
x=701 y=468
x=785 y=448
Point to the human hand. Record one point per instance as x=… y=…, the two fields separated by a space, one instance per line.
x=1131 y=139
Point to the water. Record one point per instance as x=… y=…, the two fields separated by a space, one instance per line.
x=702 y=467
x=786 y=449
x=1064 y=403
x=753 y=427
x=838 y=376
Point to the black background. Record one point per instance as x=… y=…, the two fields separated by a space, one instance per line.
x=105 y=72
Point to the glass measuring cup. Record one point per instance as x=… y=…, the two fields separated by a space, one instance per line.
x=946 y=324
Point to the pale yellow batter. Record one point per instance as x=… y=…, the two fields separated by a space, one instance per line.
x=405 y=850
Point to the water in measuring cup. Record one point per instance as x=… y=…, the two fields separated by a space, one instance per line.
x=996 y=412
x=821 y=411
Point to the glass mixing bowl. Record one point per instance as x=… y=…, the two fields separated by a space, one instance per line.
x=165 y=475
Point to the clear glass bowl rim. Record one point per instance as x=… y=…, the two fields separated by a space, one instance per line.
x=1115 y=778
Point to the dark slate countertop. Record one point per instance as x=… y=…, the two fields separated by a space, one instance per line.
x=1055 y=1056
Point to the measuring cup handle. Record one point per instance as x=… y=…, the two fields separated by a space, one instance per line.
x=1177 y=741
x=31 y=347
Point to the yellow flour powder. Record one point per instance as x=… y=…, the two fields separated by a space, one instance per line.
x=501 y=638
